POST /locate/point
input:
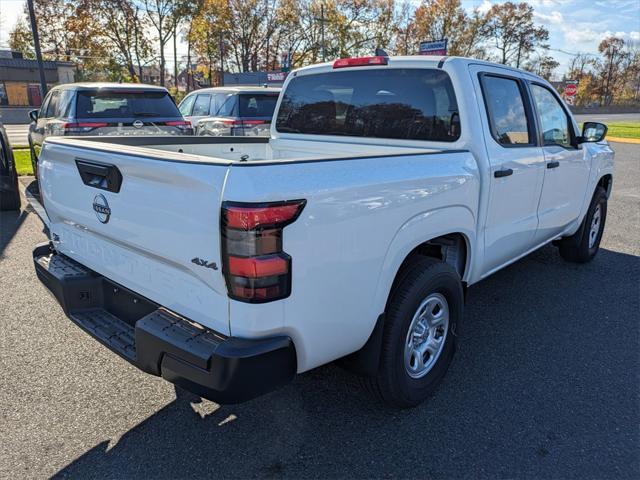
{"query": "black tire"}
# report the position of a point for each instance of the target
(393, 383)
(9, 192)
(10, 199)
(576, 248)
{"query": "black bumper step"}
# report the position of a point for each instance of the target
(159, 342)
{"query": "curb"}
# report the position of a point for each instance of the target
(623, 140)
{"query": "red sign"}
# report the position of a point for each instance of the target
(571, 89)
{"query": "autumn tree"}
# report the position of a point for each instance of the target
(160, 14)
(542, 65)
(439, 19)
(67, 33)
(207, 27)
(513, 32)
(121, 24)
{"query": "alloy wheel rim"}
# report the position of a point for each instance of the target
(426, 336)
(595, 226)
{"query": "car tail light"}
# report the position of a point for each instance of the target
(255, 267)
(82, 127)
(360, 62)
(178, 123)
(242, 123)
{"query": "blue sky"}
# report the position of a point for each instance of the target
(578, 26)
(575, 26)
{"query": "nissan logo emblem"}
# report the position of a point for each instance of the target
(138, 123)
(101, 207)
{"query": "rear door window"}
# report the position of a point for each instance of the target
(52, 107)
(408, 104)
(201, 106)
(186, 105)
(506, 110)
(228, 107)
(125, 104)
(257, 105)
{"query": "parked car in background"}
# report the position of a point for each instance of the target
(104, 109)
(9, 194)
(238, 111)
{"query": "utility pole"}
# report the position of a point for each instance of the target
(322, 30)
(322, 21)
(221, 60)
(36, 41)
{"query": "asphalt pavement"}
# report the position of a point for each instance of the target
(546, 385)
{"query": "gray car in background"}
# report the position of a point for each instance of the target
(104, 109)
(236, 111)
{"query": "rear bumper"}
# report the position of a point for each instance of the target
(159, 342)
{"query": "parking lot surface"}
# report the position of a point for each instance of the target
(545, 385)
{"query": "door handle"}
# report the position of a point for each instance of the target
(97, 175)
(503, 173)
(554, 164)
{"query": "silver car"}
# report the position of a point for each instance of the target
(236, 111)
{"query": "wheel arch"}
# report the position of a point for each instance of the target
(606, 182)
(451, 238)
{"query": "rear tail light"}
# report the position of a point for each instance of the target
(82, 127)
(255, 267)
(242, 123)
(360, 62)
(178, 123)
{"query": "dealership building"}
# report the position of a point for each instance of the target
(20, 79)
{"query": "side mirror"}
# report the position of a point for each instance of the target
(33, 115)
(593, 132)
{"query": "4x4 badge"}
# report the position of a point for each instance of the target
(203, 263)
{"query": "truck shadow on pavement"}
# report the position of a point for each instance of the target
(544, 385)
(10, 223)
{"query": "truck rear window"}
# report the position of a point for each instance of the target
(408, 104)
(115, 104)
(257, 104)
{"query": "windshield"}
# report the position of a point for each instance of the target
(411, 104)
(257, 104)
(126, 104)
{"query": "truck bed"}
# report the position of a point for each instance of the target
(238, 149)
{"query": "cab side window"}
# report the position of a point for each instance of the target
(506, 111)
(553, 119)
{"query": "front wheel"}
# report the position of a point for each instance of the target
(583, 246)
(420, 330)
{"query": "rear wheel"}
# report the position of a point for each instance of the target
(583, 246)
(419, 337)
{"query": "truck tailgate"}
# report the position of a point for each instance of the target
(158, 234)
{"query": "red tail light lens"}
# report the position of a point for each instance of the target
(360, 62)
(82, 127)
(255, 267)
(178, 123)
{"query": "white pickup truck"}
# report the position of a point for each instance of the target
(387, 187)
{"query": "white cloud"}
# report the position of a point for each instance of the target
(553, 17)
(485, 6)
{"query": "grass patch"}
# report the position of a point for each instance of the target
(624, 129)
(23, 161)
